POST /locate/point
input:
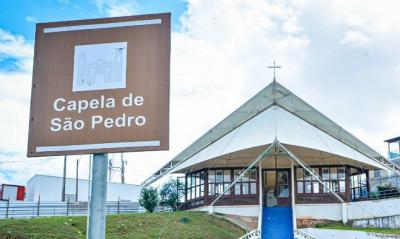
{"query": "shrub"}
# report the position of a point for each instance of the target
(148, 198)
(169, 194)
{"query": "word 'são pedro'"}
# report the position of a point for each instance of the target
(96, 120)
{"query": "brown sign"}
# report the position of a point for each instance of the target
(101, 85)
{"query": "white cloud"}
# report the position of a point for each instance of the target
(14, 45)
(354, 38)
(219, 59)
(31, 19)
(114, 8)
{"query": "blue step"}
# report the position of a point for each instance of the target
(277, 223)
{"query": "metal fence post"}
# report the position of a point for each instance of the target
(68, 207)
(38, 207)
(118, 206)
(8, 207)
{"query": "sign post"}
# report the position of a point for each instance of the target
(98, 198)
(100, 86)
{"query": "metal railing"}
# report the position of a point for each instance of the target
(379, 181)
(255, 234)
(303, 235)
(17, 209)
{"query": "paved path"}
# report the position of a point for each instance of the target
(342, 234)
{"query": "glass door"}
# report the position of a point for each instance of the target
(277, 188)
(270, 199)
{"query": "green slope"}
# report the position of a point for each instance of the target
(144, 225)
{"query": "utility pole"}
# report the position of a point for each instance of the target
(64, 179)
(110, 168)
(77, 180)
(123, 163)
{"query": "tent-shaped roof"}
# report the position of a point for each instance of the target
(274, 112)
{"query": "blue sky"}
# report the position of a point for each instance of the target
(341, 56)
(20, 16)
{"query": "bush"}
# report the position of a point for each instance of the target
(388, 190)
(149, 198)
(169, 194)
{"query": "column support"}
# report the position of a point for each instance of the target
(292, 168)
(260, 191)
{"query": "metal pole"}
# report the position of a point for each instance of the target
(64, 179)
(8, 207)
(38, 207)
(76, 183)
(68, 207)
(118, 206)
(88, 199)
(122, 169)
(98, 197)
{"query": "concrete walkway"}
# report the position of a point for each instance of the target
(336, 234)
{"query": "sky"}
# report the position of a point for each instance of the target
(340, 56)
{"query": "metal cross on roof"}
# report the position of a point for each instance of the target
(274, 67)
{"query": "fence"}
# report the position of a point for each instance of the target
(391, 180)
(15, 209)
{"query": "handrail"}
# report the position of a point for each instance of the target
(255, 234)
(260, 217)
(304, 235)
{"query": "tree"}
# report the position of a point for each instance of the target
(169, 194)
(149, 198)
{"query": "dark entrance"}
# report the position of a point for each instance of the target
(276, 190)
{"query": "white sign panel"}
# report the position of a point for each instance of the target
(100, 66)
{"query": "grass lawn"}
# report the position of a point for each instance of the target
(142, 225)
(377, 230)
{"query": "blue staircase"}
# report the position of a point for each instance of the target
(277, 223)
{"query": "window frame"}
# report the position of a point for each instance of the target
(249, 180)
(195, 185)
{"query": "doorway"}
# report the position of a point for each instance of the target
(276, 187)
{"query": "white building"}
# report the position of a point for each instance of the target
(49, 189)
(277, 158)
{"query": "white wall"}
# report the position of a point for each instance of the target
(49, 188)
(355, 210)
(240, 210)
(375, 208)
(319, 211)
(331, 211)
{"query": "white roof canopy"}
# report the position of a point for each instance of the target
(275, 112)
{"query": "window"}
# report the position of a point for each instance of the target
(358, 184)
(283, 183)
(247, 184)
(305, 182)
(195, 185)
(218, 181)
(377, 173)
(335, 178)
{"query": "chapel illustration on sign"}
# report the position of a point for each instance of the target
(100, 66)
